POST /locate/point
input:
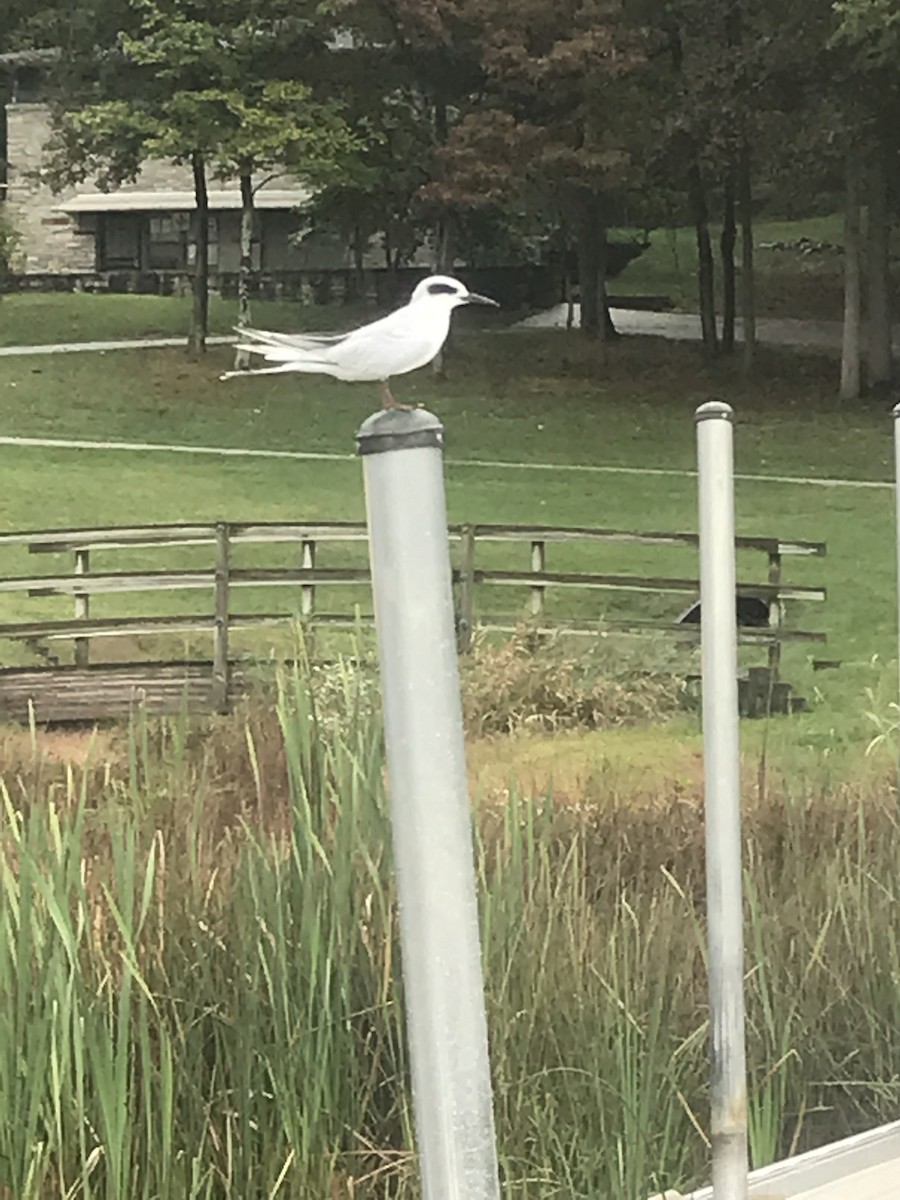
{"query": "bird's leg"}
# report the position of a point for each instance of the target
(387, 397)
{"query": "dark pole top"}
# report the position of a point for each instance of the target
(714, 410)
(399, 429)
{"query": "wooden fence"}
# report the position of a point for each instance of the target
(222, 579)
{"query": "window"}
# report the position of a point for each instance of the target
(169, 246)
(166, 246)
(120, 242)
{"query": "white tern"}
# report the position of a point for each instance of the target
(409, 338)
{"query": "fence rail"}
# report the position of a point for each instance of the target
(82, 582)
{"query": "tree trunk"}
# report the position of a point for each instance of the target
(359, 263)
(245, 269)
(200, 279)
(569, 290)
(608, 329)
(878, 265)
(443, 264)
(726, 246)
(590, 268)
(388, 247)
(748, 276)
(705, 265)
(850, 349)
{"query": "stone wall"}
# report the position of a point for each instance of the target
(51, 241)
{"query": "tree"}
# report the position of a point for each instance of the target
(381, 193)
(278, 128)
(219, 94)
(550, 128)
(868, 35)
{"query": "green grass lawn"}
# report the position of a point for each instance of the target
(544, 398)
(788, 283)
(40, 318)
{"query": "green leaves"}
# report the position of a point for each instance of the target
(195, 78)
(871, 28)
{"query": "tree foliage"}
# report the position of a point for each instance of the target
(220, 89)
(483, 124)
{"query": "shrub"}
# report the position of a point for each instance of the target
(544, 682)
(10, 240)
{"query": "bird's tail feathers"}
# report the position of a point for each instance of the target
(263, 338)
(257, 370)
(281, 354)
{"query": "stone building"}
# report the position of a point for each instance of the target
(140, 227)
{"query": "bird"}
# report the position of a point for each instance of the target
(406, 339)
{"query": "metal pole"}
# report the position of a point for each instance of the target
(431, 823)
(728, 1072)
(897, 503)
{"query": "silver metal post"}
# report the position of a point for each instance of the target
(728, 1071)
(431, 823)
(897, 503)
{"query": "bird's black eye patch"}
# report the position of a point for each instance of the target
(442, 289)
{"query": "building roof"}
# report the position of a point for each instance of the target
(179, 201)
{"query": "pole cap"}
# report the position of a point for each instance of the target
(714, 410)
(399, 429)
(896, 410)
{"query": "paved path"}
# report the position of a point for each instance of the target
(102, 347)
(821, 336)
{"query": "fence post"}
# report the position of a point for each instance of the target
(307, 590)
(466, 589)
(430, 818)
(220, 643)
(82, 608)
(776, 620)
(538, 551)
(724, 896)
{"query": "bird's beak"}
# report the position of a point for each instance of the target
(474, 298)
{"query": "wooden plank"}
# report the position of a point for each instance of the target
(82, 608)
(52, 541)
(101, 692)
(163, 581)
(278, 576)
(307, 590)
(125, 626)
(466, 578)
(109, 581)
(538, 565)
(289, 531)
(641, 583)
(55, 540)
(747, 635)
(571, 533)
(220, 636)
(121, 626)
(137, 581)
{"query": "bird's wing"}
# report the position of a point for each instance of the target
(400, 342)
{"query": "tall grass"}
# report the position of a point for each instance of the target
(199, 970)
